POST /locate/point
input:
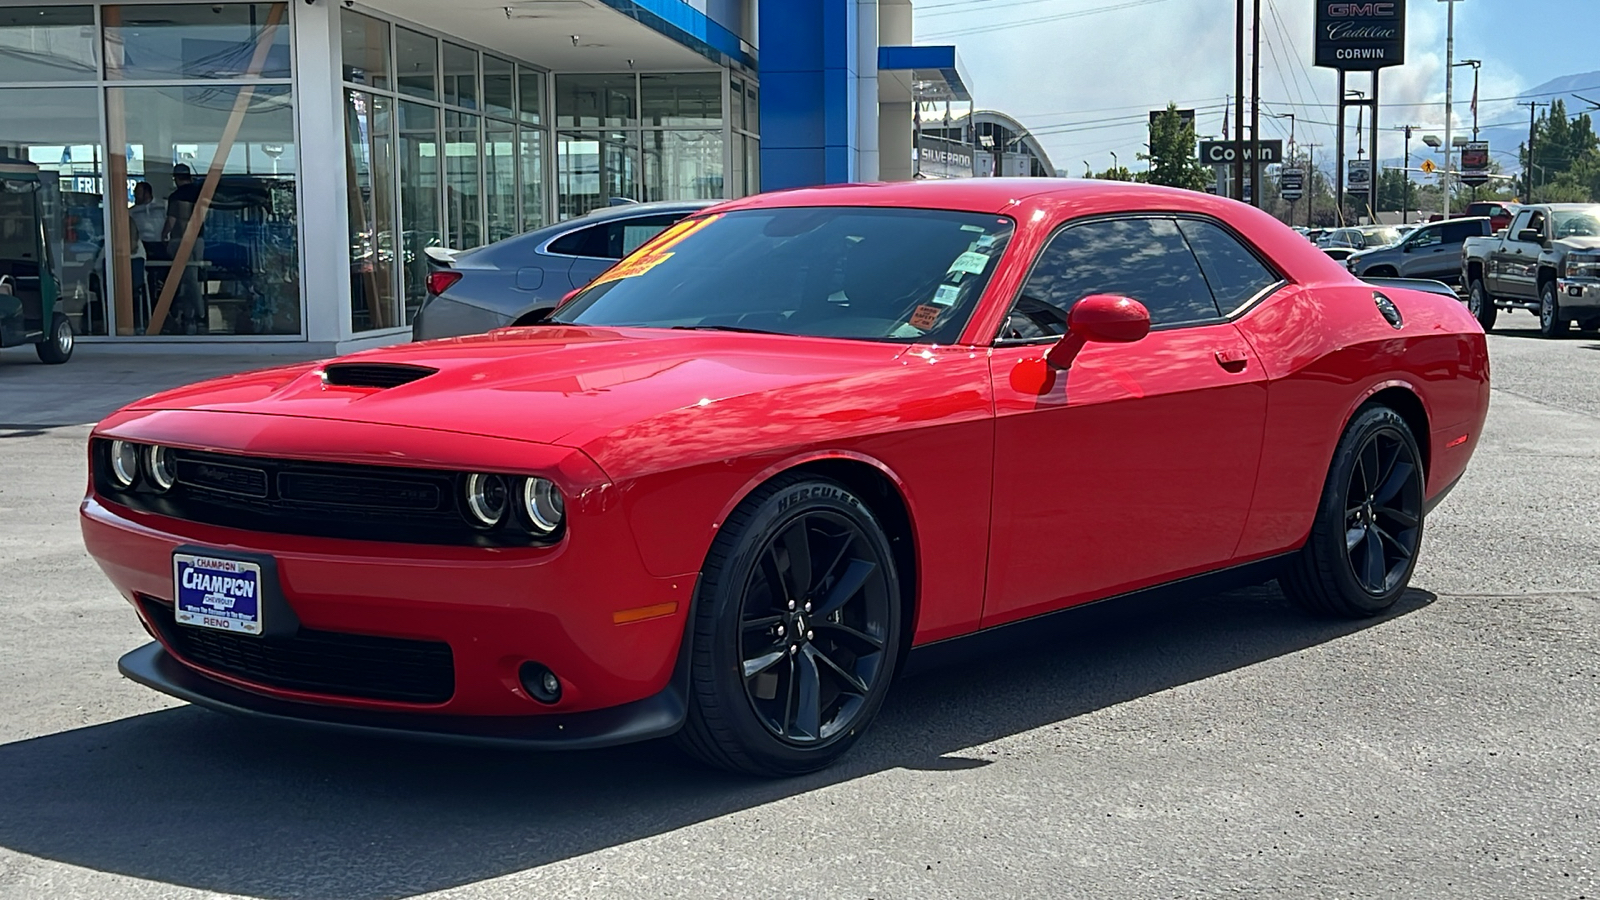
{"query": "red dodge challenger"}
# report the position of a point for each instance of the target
(729, 489)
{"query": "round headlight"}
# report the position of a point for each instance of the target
(542, 502)
(161, 467)
(124, 463)
(486, 499)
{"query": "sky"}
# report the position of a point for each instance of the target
(1082, 74)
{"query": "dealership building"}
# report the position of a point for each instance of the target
(256, 174)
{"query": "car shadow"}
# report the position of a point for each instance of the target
(188, 797)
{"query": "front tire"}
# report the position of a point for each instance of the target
(796, 631)
(1552, 322)
(1364, 541)
(1481, 305)
(58, 345)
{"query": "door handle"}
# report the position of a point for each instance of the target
(1233, 360)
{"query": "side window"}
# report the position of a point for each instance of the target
(1426, 237)
(1536, 221)
(1519, 223)
(1235, 274)
(1460, 231)
(1143, 258)
(628, 235)
(592, 241)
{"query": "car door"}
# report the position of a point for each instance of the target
(1421, 252)
(1517, 261)
(1137, 464)
(1443, 263)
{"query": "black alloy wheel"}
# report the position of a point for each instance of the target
(1383, 512)
(796, 631)
(1552, 322)
(1368, 528)
(1481, 305)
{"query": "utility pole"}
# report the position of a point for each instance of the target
(1405, 204)
(1311, 183)
(1527, 174)
(1449, 96)
(1238, 94)
(1255, 106)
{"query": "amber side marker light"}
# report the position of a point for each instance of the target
(639, 614)
(1457, 442)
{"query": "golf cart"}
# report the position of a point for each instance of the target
(29, 285)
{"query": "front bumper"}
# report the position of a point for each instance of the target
(655, 716)
(496, 608)
(1576, 294)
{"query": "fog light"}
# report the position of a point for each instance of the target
(161, 467)
(486, 499)
(124, 463)
(540, 683)
(543, 505)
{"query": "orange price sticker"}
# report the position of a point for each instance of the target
(924, 317)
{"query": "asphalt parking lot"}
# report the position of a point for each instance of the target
(1213, 746)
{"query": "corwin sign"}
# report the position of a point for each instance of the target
(1361, 35)
(1222, 153)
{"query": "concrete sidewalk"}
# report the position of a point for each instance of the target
(100, 379)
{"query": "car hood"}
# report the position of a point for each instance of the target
(1579, 243)
(561, 385)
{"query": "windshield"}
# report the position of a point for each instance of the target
(850, 272)
(1583, 222)
(1381, 237)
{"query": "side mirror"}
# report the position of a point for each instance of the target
(1099, 319)
(1530, 236)
(1405, 248)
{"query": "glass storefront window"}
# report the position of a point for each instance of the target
(500, 179)
(682, 165)
(499, 87)
(47, 43)
(463, 195)
(57, 132)
(226, 259)
(416, 62)
(594, 167)
(217, 40)
(364, 42)
(736, 165)
(752, 109)
(590, 101)
(532, 160)
(688, 99)
(752, 165)
(736, 101)
(530, 95)
(420, 182)
(460, 76)
(369, 167)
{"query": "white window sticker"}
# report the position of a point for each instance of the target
(971, 262)
(946, 295)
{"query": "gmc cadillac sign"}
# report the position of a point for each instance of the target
(1361, 35)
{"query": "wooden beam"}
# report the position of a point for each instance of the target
(191, 232)
(121, 257)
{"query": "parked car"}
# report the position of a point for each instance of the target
(1432, 251)
(800, 440)
(1547, 261)
(1340, 243)
(30, 284)
(516, 280)
(1500, 212)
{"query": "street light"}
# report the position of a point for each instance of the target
(1449, 94)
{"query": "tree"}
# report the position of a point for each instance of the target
(1566, 159)
(1115, 173)
(1173, 158)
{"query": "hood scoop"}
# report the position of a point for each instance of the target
(373, 375)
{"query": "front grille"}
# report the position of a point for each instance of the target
(374, 375)
(317, 662)
(334, 500)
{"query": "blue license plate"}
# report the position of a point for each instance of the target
(217, 592)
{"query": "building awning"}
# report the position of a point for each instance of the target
(935, 69)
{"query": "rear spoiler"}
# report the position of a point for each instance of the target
(441, 256)
(1425, 285)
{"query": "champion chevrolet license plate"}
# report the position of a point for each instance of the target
(215, 592)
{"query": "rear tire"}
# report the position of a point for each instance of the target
(58, 344)
(1364, 541)
(1481, 305)
(1552, 321)
(796, 631)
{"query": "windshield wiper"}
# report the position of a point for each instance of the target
(735, 328)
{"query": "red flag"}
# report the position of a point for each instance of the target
(1474, 100)
(1225, 110)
